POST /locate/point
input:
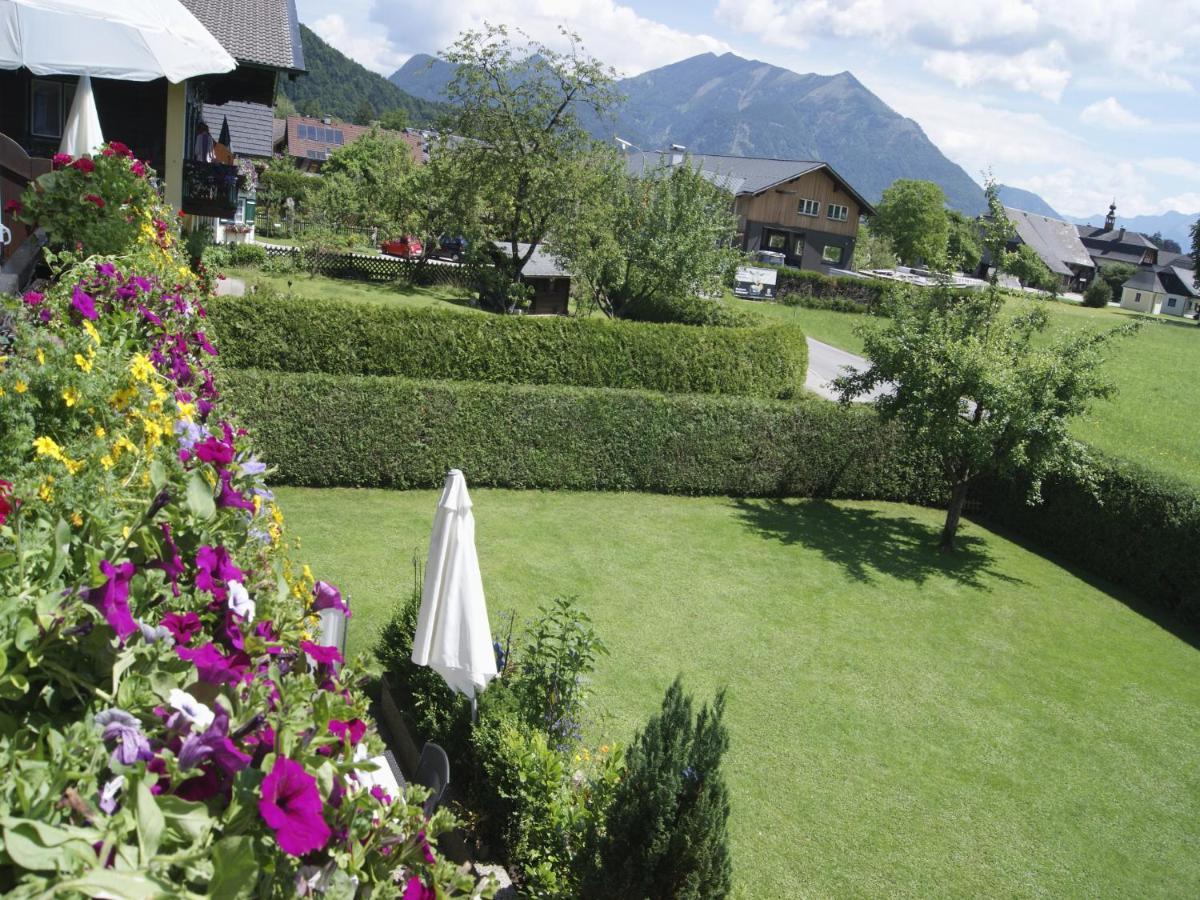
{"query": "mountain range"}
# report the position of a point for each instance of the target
(727, 104)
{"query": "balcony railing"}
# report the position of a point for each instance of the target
(209, 189)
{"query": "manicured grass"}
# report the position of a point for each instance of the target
(1151, 420)
(323, 288)
(903, 723)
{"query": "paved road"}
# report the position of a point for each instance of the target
(826, 363)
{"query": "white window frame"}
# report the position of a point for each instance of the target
(841, 253)
(809, 207)
(834, 209)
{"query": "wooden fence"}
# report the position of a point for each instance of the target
(362, 267)
(17, 169)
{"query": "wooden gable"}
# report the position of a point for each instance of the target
(781, 204)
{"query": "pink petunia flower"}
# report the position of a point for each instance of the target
(213, 666)
(321, 655)
(182, 626)
(7, 504)
(60, 159)
(415, 890)
(138, 168)
(326, 596)
(291, 805)
(112, 598)
(84, 304)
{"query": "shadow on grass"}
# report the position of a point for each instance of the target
(866, 542)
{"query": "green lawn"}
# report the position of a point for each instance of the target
(321, 288)
(903, 723)
(1152, 418)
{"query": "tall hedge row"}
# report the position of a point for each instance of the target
(1138, 530)
(801, 287)
(303, 335)
(339, 430)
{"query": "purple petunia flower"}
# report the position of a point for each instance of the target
(107, 269)
(108, 796)
(126, 730)
(252, 466)
(291, 805)
(326, 596)
(84, 304)
(214, 569)
(230, 497)
(112, 598)
(214, 744)
(414, 889)
(155, 633)
(321, 655)
(215, 667)
(215, 451)
(182, 625)
(203, 343)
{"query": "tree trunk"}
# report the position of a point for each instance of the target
(958, 497)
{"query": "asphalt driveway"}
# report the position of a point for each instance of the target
(826, 363)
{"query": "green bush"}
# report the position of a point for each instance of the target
(1098, 294)
(247, 255)
(800, 287)
(665, 836)
(326, 430)
(1137, 530)
(306, 335)
(686, 311)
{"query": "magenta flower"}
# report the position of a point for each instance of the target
(172, 565)
(83, 164)
(182, 625)
(83, 304)
(230, 497)
(203, 343)
(215, 667)
(139, 168)
(214, 569)
(112, 598)
(95, 199)
(14, 207)
(426, 850)
(291, 805)
(60, 159)
(214, 744)
(216, 451)
(415, 890)
(355, 728)
(34, 298)
(321, 655)
(326, 596)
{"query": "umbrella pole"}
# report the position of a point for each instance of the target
(474, 710)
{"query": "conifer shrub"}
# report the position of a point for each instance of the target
(1098, 294)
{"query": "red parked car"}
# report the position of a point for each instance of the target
(406, 247)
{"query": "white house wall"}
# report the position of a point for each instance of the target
(1142, 301)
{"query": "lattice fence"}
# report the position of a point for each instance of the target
(362, 267)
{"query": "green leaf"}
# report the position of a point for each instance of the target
(151, 823)
(200, 496)
(26, 633)
(188, 822)
(62, 548)
(158, 475)
(14, 687)
(39, 847)
(7, 559)
(234, 870)
(118, 885)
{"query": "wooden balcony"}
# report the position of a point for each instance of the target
(209, 189)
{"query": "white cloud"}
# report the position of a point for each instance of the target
(1036, 71)
(614, 33)
(375, 52)
(1095, 36)
(1174, 166)
(1187, 203)
(1109, 113)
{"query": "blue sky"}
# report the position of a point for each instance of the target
(1078, 100)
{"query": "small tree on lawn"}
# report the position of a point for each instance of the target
(1029, 269)
(872, 250)
(522, 109)
(667, 234)
(973, 388)
(1098, 293)
(665, 835)
(1114, 275)
(912, 215)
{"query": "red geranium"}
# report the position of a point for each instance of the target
(14, 207)
(93, 198)
(7, 504)
(83, 164)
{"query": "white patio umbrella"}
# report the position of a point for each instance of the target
(82, 132)
(131, 40)
(453, 635)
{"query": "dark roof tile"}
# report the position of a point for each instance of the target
(258, 32)
(250, 126)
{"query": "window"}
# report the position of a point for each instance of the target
(46, 108)
(809, 208)
(776, 240)
(798, 247)
(1138, 297)
(832, 253)
(1170, 302)
(338, 136)
(838, 213)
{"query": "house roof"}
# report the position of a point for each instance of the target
(1056, 242)
(1116, 236)
(1119, 245)
(1177, 260)
(541, 265)
(1165, 280)
(742, 174)
(250, 126)
(336, 134)
(254, 32)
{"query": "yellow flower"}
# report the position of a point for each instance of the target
(84, 364)
(1, 392)
(46, 491)
(70, 396)
(276, 515)
(187, 411)
(41, 357)
(100, 432)
(122, 398)
(308, 575)
(3, 360)
(47, 446)
(107, 461)
(91, 331)
(604, 748)
(20, 387)
(76, 520)
(141, 367)
(126, 531)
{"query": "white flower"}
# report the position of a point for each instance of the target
(191, 709)
(108, 796)
(239, 601)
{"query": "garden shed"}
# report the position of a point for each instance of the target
(551, 283)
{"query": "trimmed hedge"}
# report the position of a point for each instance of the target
(304, 335)
(354, 431)
(687, 311)
(800, 287)
(1138, 531)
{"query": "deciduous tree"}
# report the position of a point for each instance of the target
(974, 388)
(872, 250)
(912, 215)
(521, 107)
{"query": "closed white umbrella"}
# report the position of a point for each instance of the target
(453, 635)
(131, 40)
(82, 132)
